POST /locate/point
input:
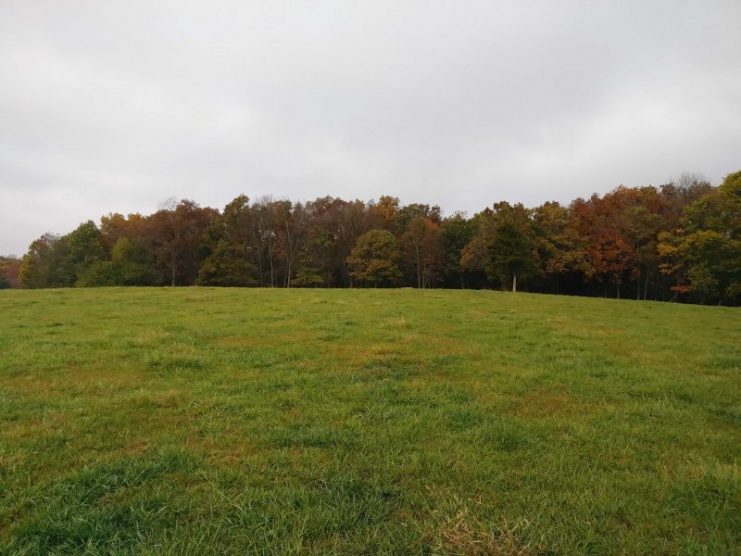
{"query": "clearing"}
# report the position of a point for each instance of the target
(197, 421)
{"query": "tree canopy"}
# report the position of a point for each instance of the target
(679, 241)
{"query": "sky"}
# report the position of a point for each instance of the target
(117, 106)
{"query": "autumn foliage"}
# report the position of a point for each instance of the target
(680, 241)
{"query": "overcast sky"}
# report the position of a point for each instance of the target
(112, 106)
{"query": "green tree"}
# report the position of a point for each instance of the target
(47, 264)
(85, 250)
(704, 253)
(556, 250)
(227, 265)
(457, 231)
(133, 262)
(99, 273)
(506, 245)
(229, 247)
(375, 259)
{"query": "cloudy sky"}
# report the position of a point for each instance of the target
(117, 106)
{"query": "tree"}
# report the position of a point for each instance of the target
(703, 254)
(133, 262)
(408, 229)
(557, 251)
(46, 264)
(513, 249)
(374, 259)
(385, 213)
(115, 226)
(505, 245)
(605, 251)
(9, 272)
(456, 232)
(423, 249)
(287, 233)
(332, 229)
(229, 247)
(85, 250)
(176, 234)
(681, 239)
(227, 265)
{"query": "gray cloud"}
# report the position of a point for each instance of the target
(116, 106)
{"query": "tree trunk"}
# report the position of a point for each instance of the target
(272, 270)
(173, 265)
(645, 288)
(514, 283)
(419, 275)
(259, 263)
(289, 258)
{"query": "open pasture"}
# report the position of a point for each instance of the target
(235, 421)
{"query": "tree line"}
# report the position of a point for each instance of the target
(680, 241)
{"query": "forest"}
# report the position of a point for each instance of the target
(676, 242)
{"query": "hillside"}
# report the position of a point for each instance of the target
(196, 420)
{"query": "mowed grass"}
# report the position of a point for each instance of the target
(236, 421)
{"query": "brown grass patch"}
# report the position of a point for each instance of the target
(547, 404)
(466, 535)
(25, 429)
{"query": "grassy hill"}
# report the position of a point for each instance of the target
(366, 421)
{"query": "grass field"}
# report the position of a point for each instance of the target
(198, 421)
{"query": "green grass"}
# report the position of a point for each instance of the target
(199, 421)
